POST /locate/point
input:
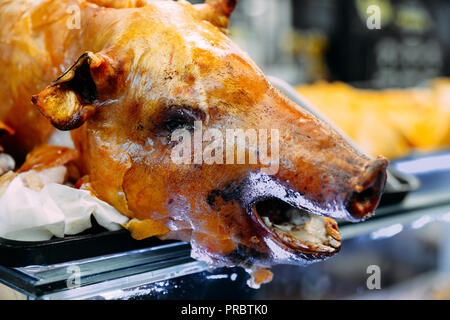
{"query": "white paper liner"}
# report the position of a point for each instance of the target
(47, 208)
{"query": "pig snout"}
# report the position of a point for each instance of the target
(362, 202)
(334, 178)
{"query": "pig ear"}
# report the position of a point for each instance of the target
(72, 98)
(217, 12)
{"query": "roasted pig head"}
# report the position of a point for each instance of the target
(163, 80)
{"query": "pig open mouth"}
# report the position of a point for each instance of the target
(298, 229)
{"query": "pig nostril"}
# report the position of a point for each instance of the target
(362, 204)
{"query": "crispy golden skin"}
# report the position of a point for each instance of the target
(133, 72)
(46, 156)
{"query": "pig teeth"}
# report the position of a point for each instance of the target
(333, 232)
(334, 243)
(318, 247)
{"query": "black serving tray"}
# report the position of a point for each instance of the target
(398, 186)
(94, 242)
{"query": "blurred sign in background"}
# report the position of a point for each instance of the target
(303, 41)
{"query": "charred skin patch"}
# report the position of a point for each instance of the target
(230, 192)
(247, 257)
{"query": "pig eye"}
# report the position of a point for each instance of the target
(179, 120)
(176, 118)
